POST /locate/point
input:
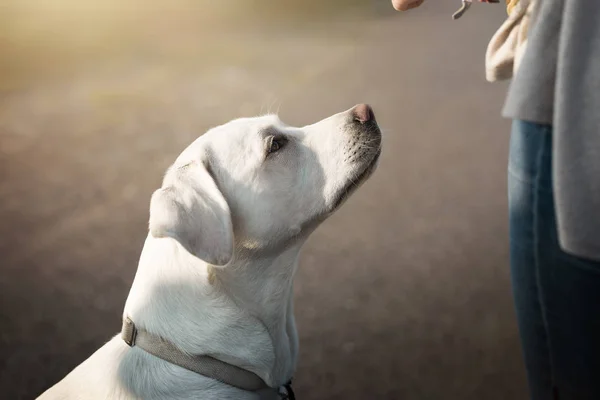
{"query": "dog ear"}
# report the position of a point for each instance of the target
(191, 209)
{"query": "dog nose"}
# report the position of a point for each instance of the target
(363, 113)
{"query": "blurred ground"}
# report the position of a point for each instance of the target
(404, 294)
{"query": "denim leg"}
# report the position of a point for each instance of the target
(527, 145)
(557, 296)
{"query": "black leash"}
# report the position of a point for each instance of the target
(289, 392)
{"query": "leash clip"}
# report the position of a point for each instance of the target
(286, 392)
(466, 4)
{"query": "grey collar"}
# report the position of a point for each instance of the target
(200, 364)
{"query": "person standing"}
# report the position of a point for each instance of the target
(554, 195)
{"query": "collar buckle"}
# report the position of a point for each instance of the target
(129, 332)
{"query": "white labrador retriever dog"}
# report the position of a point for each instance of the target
(216, 271)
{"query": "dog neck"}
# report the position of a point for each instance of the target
(262, 285)
(241, 313)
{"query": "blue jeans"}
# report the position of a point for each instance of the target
(556, 295)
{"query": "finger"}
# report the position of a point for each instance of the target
(404, 5)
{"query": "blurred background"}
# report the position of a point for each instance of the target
(403, 294)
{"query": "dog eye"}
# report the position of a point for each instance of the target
(275, 143)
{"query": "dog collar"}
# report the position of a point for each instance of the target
(201, 364)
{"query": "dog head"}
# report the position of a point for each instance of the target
(257, 183)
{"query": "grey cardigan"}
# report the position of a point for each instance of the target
(558, 83)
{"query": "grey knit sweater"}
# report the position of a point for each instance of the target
(558, 83)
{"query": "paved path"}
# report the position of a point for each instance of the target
(404, 294)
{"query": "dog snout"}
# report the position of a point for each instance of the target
(362, 113)
(363, 139)
(362, 124)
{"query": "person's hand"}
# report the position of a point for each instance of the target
(403, 5)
